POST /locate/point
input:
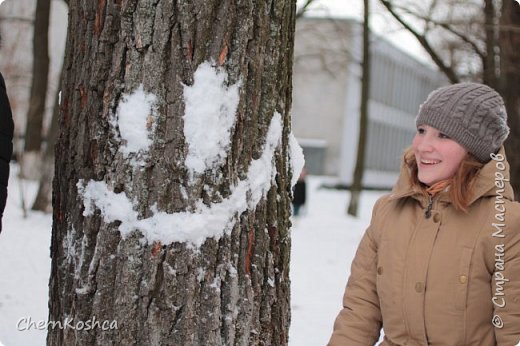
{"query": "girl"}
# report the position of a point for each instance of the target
(440, 262)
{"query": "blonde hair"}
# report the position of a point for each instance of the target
(461, 183)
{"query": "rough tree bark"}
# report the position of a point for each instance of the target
(231, 291)
(510, 84)
(40, 72)
(357, 179)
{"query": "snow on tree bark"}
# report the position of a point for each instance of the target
(233, 290)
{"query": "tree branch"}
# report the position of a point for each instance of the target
(447, 70)
(17, 19)
(448, 28)
(303, 9)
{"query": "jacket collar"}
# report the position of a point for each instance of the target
(487, 183)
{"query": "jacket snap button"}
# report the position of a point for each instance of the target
(380, 270)
(419, 287)
(463, 279)
(436, 218)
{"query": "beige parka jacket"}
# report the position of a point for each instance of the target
(450, 279)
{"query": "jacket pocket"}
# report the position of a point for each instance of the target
(385, 284)
(461, 291)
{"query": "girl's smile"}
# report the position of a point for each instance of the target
(437, 155)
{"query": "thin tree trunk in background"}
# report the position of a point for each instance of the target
(231, 291)
(43, 200)
(357, 180)
(33, 131)
(510, 84)
(490, 62)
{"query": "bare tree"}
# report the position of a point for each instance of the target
(33, 131)
(422, 38)
(357, 179)
(43, 200)
(229, 289)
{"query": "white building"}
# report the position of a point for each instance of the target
(326, 100)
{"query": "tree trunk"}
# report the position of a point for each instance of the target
(357, 180)
(40, 72)
(228, 289)
(510, 84)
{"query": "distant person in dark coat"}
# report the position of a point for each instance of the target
(6, 144)
(299, 193)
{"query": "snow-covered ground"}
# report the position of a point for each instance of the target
(24, 266)
(324, 241)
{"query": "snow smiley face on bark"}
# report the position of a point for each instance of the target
(209, 118)
(134, 123)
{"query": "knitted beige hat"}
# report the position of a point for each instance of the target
(472, 114)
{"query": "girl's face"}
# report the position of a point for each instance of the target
(438, 156)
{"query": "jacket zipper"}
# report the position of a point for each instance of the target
(428, 210)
